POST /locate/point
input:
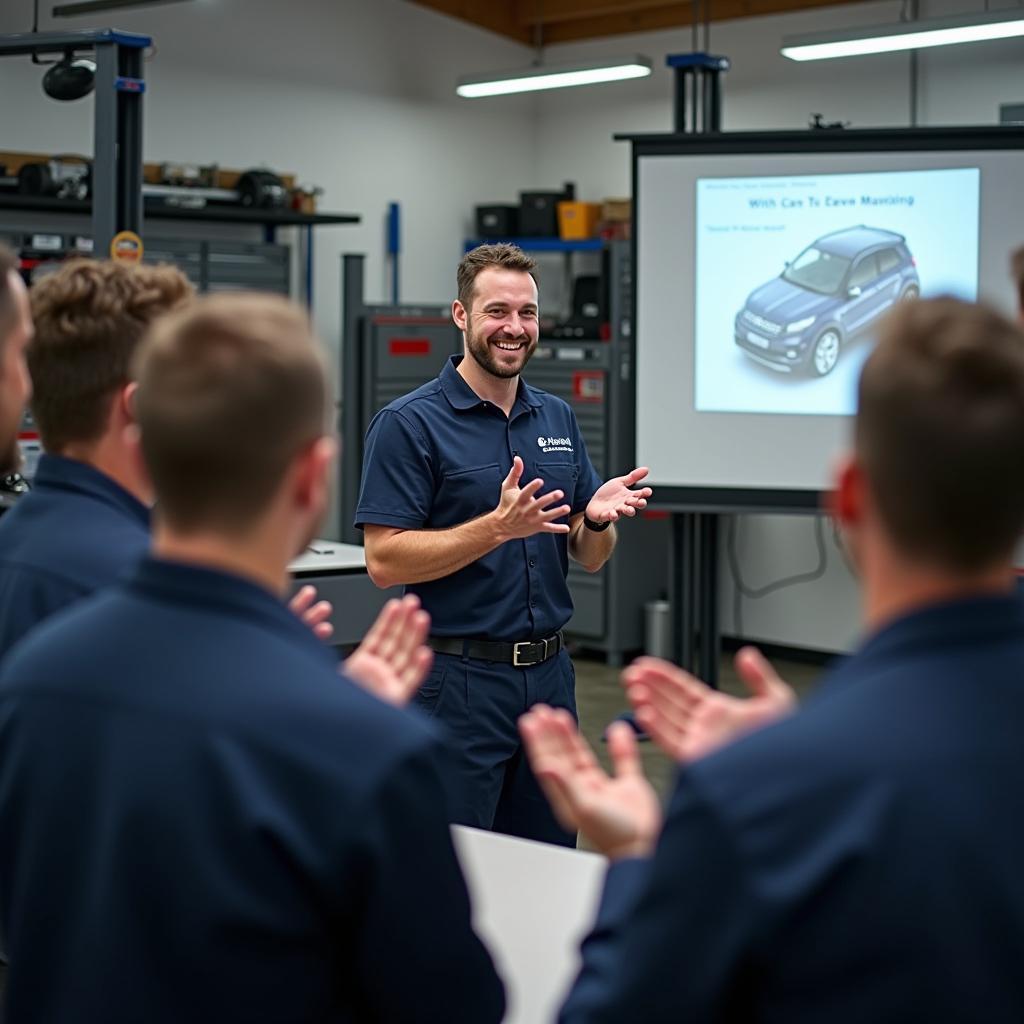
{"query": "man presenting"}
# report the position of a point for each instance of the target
(860, 860)
(476, 489)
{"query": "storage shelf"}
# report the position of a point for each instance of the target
(159, 211)
(543, 244)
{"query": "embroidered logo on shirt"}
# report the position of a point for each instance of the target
(555, 444)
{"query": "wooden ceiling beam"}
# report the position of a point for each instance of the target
(546, 12)
(496, 17)
(568, 21)
(678, 16)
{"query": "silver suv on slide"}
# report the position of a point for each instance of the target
(837, 287)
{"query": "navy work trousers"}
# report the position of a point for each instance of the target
(478, 704)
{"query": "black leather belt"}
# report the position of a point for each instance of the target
(522, 654)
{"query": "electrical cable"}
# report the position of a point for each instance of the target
(742, 590)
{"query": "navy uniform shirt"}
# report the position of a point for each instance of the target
(203, 821)
(76, 531)
(860, 861)
(437, 458)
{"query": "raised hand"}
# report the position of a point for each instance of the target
(619, 814)
(617, 498)
(312, 612)
(393, 660)
(688, 720)
(520, 513)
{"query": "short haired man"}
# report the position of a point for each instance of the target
(444, 511)
(202, 821)
(15, 332)
(87, 518)
(859, 860)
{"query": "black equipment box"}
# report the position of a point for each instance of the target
(538, 212)
(497, 221)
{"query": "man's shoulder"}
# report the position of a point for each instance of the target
(425, 395)
(206, 673)
(72, 535)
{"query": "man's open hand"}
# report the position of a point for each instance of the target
(619, 814)
(616, 498)
(393, 659)
(520, 513)
(312, 612)
(687, 719)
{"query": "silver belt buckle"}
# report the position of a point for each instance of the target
(516, 663)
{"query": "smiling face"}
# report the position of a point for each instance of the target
(500, 324)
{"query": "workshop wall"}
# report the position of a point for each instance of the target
(355, 96)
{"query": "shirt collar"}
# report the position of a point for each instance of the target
(63, 474)
(950, 624)
(199, 586)
(461, 396)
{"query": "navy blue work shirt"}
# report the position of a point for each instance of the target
(204, 821)
(860, 861)
(437, 458)
(75, 532)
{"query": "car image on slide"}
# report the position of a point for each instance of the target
(836, 288)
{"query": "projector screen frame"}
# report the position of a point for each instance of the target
(881, 140)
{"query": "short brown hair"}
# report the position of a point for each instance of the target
(1017, 271)
(940, 431)
(501, 254)
(230, 391)
(8, 311)
(90, 316)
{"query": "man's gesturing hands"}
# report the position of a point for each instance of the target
(520, 513)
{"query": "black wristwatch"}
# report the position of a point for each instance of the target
(596, 527)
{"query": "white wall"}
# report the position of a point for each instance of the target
(354, 95)
(763, 90)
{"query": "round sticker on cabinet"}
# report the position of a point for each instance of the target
(126, 247)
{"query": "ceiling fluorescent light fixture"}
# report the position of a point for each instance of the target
(92, 6)
(907, 35)
(552, 76)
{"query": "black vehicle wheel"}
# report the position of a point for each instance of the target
(825, 353)
(911, 292)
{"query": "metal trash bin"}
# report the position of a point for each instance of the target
(658, 629)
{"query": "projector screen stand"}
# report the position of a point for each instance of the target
(693, 561)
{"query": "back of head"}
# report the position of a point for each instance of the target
(90, 317)
(231, 389)
(940, 433)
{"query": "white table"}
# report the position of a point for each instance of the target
(532, 905)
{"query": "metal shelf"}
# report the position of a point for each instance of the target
(159, 211)
(543, 244)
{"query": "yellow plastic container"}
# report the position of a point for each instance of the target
(578, 220)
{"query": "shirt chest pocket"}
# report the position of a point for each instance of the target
(466, 492)
(558, 474)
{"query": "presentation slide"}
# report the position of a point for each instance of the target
(761, 279)
(816, 260)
